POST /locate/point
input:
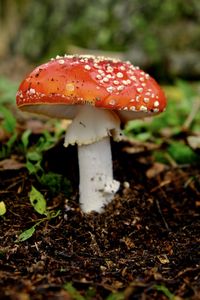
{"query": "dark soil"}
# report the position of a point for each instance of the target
(146, 240)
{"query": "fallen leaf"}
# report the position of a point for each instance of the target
(163, 259)
(156, 169)
(194, 142)
(38, 126)
(133, 146)
(2, 208)
(11, 164)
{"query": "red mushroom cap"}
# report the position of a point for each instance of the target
(98, 81)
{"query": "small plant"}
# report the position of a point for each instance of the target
(2, 208)
(8, 124)
(56, 183)
(163, 289)
(7, 90)
(7, 96)
(116, 296)
(76, 295)
(38, 202)
(90, 293)
(34, 153)
(9, 121)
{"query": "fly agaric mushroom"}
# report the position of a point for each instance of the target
(96, 93)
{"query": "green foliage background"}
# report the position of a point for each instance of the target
(105, 24)
(149, 32)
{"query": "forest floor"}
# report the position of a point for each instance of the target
(146, 245)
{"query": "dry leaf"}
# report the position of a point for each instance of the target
(163, 259)
(156, 169)
(10, 164)
(134, 146)
(194, 142)
(197, 203)
(3, 135)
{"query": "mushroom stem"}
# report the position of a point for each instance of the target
(91, 130)
(97, 186)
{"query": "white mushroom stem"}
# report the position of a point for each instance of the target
(91, 130)
(97, 186)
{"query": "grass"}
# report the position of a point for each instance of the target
(171, 129)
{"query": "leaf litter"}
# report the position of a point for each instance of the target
(148, 236)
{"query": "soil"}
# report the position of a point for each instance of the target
(145, 244)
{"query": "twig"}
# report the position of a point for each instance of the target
(193, 112)
(187, 270)
(161, 214)
(163, 183)
(14, 184)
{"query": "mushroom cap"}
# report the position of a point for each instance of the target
(58, 86)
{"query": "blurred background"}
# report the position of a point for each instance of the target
(161, 36)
